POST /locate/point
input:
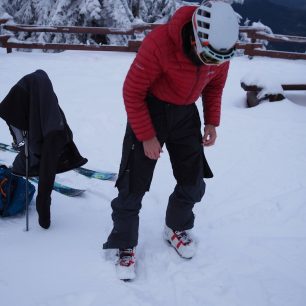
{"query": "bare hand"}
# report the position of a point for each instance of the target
(152, 148)
(210, 135)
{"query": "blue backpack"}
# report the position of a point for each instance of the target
(12, 193)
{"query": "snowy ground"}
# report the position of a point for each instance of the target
(250, 227)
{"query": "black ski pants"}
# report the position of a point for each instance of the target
(179, 128)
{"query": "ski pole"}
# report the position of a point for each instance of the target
(26, 150)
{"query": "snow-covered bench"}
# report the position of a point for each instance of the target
(266, 82)
(256, 93)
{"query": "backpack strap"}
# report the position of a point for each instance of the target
(2, 182)
(7, 179)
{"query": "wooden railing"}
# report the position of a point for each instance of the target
(256, 34)
(4, 20)
(253, 48)
(7, 42)
(132, 46)
(4, 38)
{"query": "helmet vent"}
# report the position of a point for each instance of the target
(204, 13)
(204, 25)
(207, 3)
(203, 35)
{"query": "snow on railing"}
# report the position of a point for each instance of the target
(261, 34)
(254, 43)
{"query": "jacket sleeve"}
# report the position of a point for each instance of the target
(144, 70)
(51, 150)
(212, 95)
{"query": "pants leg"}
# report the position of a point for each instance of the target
(179, 214)
(125, 216)
(135, 175)
(189, 167)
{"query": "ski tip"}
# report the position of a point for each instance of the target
(113, 178)
(71, 192)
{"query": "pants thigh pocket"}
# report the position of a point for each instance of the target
(135, 165)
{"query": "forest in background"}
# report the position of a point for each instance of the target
(102, 13)
(126, 13)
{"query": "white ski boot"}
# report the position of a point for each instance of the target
(125, 265)
(181, 242)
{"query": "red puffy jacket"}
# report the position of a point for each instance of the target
(162, 68)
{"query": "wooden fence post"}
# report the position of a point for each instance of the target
(4, 43)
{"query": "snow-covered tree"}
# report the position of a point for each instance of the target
(116, 14)
(2, 10)
(91, 10)
(122, 14)
(262, 28)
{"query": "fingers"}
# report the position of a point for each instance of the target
(152, 148)
(208, 142)
(209, 137)
(155, 154)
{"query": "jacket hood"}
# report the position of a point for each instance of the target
(175, 26)
(33, 91)
(14, 108)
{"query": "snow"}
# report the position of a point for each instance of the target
(270, 84)
(250, 225)
(5, 16)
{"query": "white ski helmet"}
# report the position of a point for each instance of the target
(216, 30)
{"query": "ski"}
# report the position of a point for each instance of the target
(63, 189)
(99, 175)
(5, 147)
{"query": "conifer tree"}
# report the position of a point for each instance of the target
(108, 13)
